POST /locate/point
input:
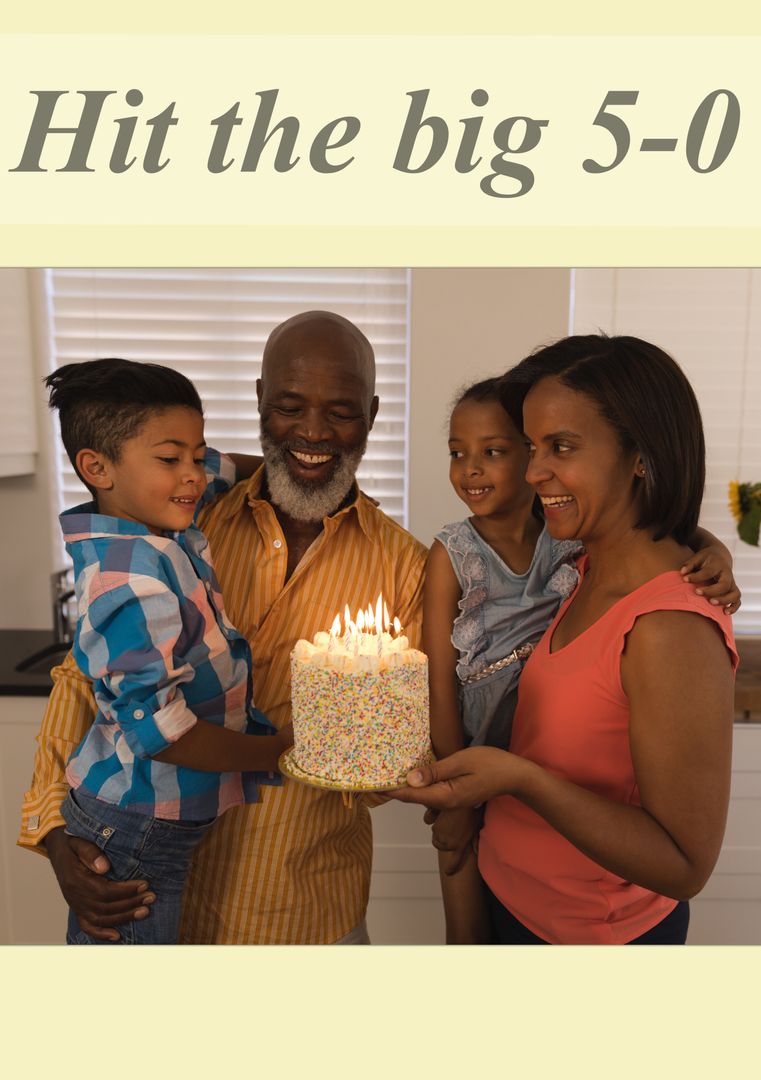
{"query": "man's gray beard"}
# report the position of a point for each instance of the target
(306, 500)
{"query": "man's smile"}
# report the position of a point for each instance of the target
(311, 459)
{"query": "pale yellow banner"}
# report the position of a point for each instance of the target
(435, 135)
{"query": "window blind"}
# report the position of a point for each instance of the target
(211, 324)
(709, 320)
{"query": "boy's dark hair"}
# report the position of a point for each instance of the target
(646, 398)
(102, 403)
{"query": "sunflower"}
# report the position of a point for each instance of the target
(745, 504)
(734, 501)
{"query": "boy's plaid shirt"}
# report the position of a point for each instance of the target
(153, 636)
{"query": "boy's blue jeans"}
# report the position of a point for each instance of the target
(136, 847)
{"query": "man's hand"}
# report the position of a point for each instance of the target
(99, 904)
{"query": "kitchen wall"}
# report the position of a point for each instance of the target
(465, 324)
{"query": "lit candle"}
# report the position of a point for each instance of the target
(373, 642)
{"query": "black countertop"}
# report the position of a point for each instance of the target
(17, 646)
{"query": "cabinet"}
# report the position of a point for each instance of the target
(728, 910)
(32, 910)
(405, 900)
(18, 424)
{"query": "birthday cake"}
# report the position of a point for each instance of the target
(360, 705)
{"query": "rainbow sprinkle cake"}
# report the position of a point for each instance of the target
(360, 716)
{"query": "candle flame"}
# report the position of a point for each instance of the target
(367, 621)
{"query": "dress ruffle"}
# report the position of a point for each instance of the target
(468, 629)
(469, 633)
(565, 579)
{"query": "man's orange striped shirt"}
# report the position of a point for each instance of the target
(295, 867)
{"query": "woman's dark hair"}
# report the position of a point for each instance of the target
(646, 398)
(103, 403)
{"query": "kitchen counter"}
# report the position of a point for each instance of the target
(748, 684)
(18, 645)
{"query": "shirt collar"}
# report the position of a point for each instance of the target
(251, 489)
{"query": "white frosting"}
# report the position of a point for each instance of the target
(361, 653)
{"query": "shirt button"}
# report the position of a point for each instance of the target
(278, 544)
(138, 714)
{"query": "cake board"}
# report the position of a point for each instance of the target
(289, 767)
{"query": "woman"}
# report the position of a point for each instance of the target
(609, 811)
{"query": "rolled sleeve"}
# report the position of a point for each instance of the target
(148, 733)
(69, 713)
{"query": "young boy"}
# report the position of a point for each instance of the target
(171, 747)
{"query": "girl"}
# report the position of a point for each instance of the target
(494, 582)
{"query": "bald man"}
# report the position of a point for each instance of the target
(292, 546)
